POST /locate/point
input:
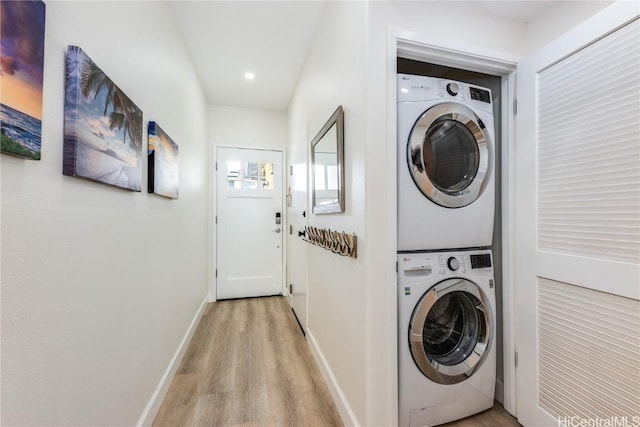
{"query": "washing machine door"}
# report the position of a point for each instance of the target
(448, 155)
(450, 331)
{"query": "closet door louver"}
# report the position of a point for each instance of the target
(577, 244)
(589, 352)
(588, 128)
(588, 206)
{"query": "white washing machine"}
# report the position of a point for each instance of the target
(446, 155)
(446, 336)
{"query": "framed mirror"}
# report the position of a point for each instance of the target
(327, 160)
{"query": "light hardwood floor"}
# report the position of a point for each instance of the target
(248, 364)
(494, 417)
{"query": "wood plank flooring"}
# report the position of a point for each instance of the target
(248, 364)
(494, 417)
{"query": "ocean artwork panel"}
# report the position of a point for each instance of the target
(163, 163)
(102, 126)
(21, 76)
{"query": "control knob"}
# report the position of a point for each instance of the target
(453, 89)
(453, 263)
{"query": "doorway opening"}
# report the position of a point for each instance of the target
(493, 82)
(412, 56)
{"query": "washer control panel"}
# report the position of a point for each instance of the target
(453, 88)
(413, 267)
(453, 263)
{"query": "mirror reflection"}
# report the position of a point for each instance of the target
(328, 167)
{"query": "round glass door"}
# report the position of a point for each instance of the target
(449, 155)
(450, 330)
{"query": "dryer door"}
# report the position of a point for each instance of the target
(448, 155)
(450, 332)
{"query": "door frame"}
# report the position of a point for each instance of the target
(416, 46)
(213, 197)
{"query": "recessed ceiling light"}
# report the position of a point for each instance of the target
(249, 75)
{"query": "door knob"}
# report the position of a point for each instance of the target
(277, 230)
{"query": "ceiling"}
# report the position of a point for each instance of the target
(226, 39)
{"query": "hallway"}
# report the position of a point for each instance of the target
(248, 364)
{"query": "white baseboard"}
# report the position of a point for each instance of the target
(499, 391)
(346, 413)
(150, 412)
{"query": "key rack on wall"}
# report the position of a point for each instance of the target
(337, 242)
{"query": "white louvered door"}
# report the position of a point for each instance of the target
(578, 226)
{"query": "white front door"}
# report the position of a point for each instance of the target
(578, 226)
(297, 213)
(250, 223)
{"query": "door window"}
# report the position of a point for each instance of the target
(448, 155)
(451, 155)
(450, 331)
(452, 328)
(250, 175)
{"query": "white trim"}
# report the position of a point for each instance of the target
(213, 229)
(508, 244)
(152, 408)
(284, 289)
(416, 46)
(340, 400)
(391, 241)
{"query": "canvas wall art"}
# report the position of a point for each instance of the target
(102, 126)
(163, 163)
(21, 75)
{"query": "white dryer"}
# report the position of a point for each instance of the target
(446, 155)
(446, 336)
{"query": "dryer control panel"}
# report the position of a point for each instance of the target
(423, 88)
(417, 266)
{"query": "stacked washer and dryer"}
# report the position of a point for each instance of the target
(446, 297)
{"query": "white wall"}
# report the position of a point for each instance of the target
(100, 284)
(559, 19)
(334, 75)
(247, 128)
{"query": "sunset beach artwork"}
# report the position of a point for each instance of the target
(102, 126)
(21, 74)
(163, 163)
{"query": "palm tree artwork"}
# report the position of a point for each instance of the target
(103, 127)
